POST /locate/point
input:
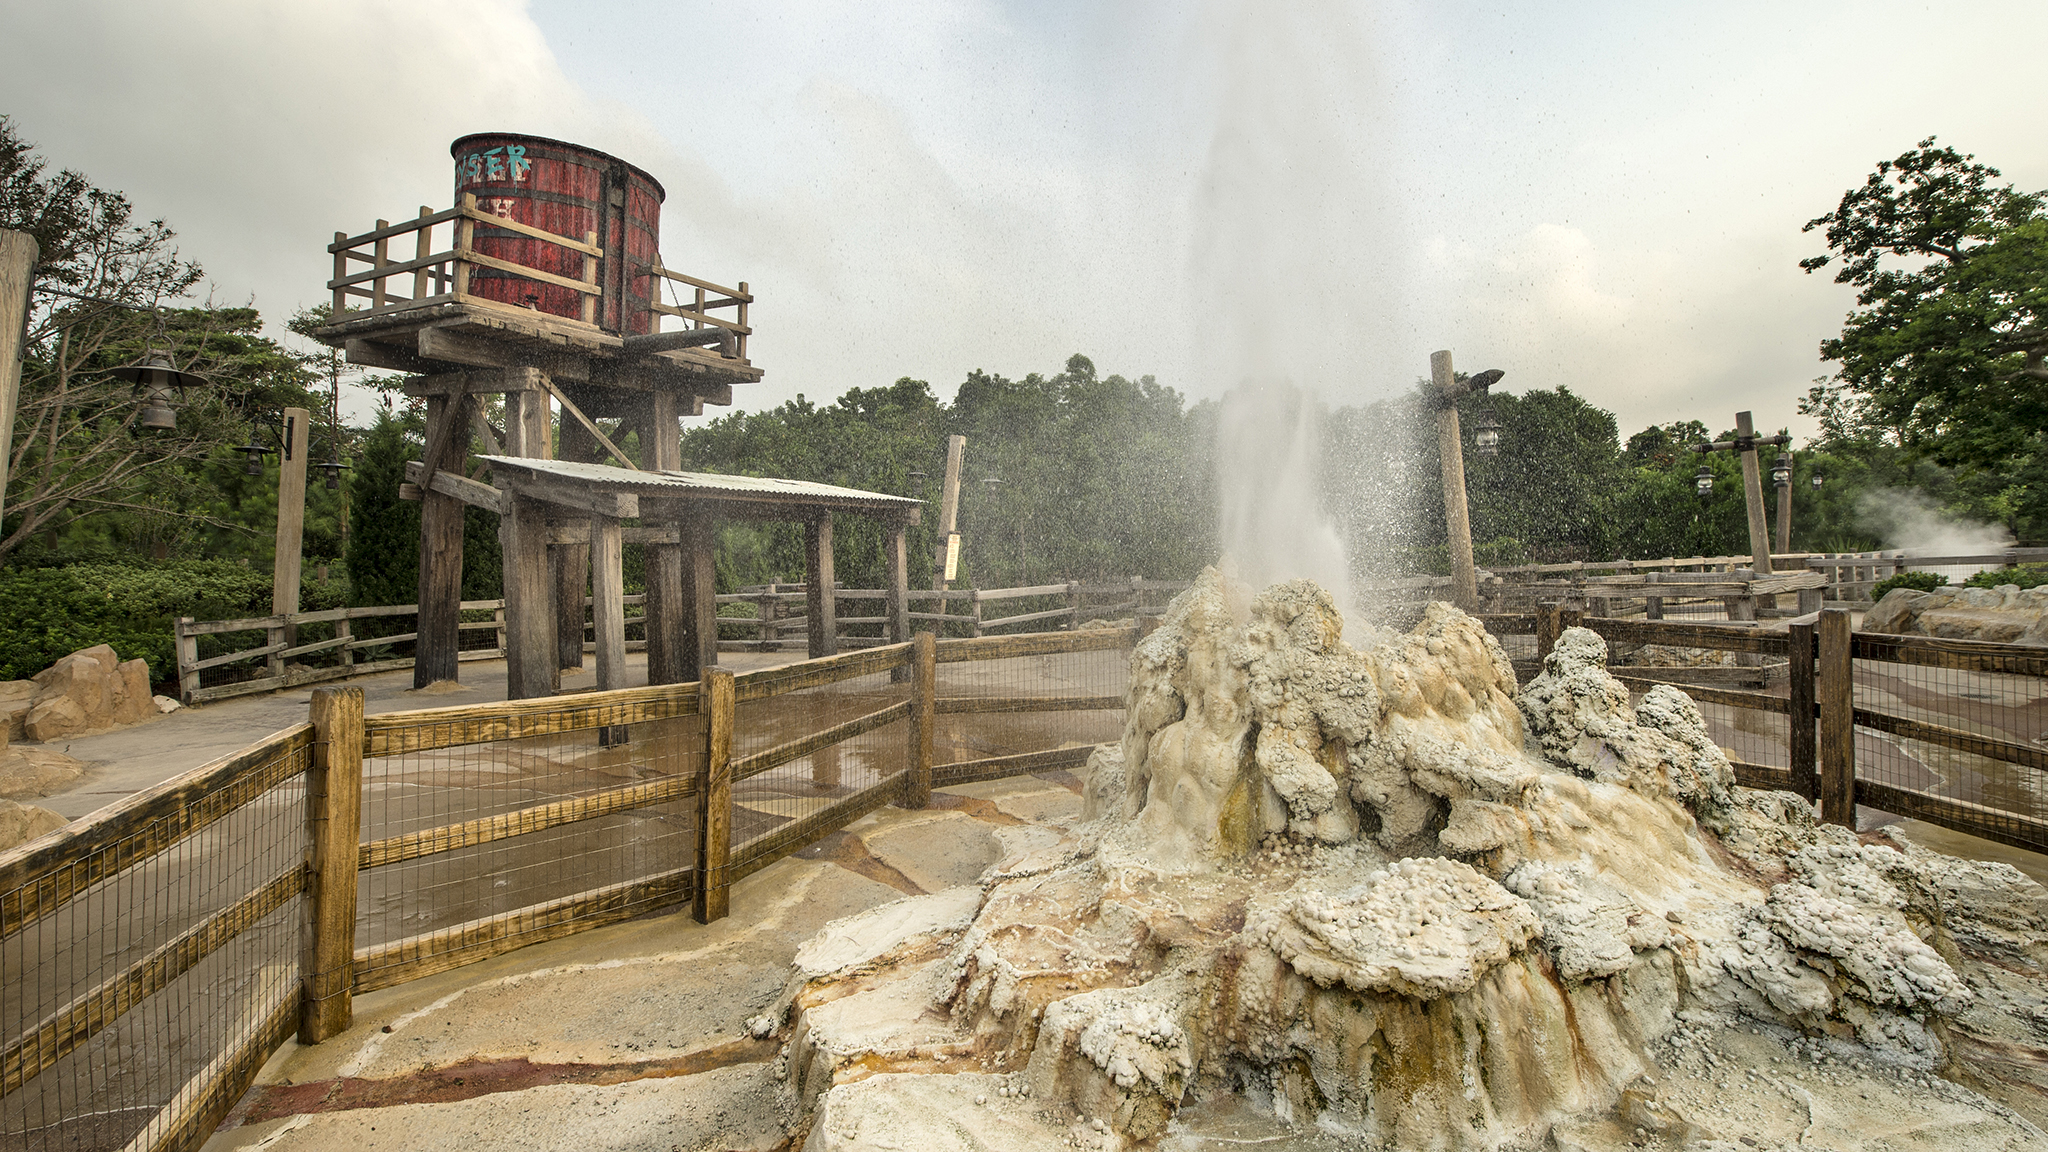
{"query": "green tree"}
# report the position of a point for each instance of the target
(1946, 354)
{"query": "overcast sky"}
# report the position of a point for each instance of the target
(1605, 196)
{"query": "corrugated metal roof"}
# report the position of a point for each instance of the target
(707, 484)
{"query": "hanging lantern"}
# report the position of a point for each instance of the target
(1816, 481)
(1703, 482)
(1486, 433)
(161, 385)
(333, 469)
(1781, 472)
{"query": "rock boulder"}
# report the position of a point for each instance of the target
(88, 691)
(2005, 615)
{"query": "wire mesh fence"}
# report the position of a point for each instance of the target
(150, 962)
(480, 845)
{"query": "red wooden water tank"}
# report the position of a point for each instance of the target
(569, 190)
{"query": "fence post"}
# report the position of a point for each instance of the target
(974, 612)
(188, 655)
(1073, 605)
(334, 812)
(716, 700)
(764, 609)
(917, 787)
(1835, 694)
(1549, 626)
(1799, 741)
(273, 636)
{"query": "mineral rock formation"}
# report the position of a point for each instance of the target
(1382, 895)
(2004, 614)
(21, 823)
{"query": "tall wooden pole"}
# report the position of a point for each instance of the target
(949, 511)
(1785, 516)
(1451, 451)
(1753, 496)
(291, 519)
(18, 254)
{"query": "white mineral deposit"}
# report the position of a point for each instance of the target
(1326, 897)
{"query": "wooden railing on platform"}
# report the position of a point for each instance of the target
(708, 297)
(443, 277)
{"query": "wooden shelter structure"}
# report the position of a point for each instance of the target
(557, 505)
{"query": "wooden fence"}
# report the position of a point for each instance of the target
(1808, 675)
(310, 781)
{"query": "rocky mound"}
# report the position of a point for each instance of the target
(1382, 899)
(2005, 614)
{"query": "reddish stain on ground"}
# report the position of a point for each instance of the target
(851, 853)
(980, 809)
(472, 1078)
(1063, 778)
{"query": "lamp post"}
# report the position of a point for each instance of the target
(946, 559)
(1745, 445)
(1781, 475)
(18, 254)
(1451, 452)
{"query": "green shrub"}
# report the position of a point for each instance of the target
(2025, 575)
(1917, 581)
(48, 613)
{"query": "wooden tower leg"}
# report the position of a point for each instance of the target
(440, 578)
(530, 669)
(572, 562)
(823, 607)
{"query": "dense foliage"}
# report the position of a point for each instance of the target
(1917, 581)
(2021, 575)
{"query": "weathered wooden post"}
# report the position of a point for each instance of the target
(949, 512)
(717, 700)
(1835, 694)
(188, 655)
(917, 785)
(531, 670)
(286, 561)
(440, 570)
(1549, 626)
(334, 798)
(820, 603)
(18, 255)
(1799, 742)
(608, 613)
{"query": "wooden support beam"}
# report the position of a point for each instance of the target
(687, 338)
(452, 347)
(530, 668)
(476, 382)
(698, 596)
(334, 808)
(714, 796)
(459, 487)
(569, 408)
(1451, 454)
(821, 606)
(370, 354)
(440, 560)
(570, 497)
(18, 255)
(288, 558)
(608, 613)
(1834, 695)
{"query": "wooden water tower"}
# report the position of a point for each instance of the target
(543, 283)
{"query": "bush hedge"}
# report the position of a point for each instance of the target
(48, 613)
(2024, 575)
(1917, 581)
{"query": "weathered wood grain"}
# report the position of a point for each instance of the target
(1834, 696)
(1040, 644)
(997, 767)
(955, 705)
(334, 823)
(397, 733)
(536, 818)
(714, 792)
(790, 750)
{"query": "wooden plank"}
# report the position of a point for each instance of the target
(352, 280)
(1834, 696)
(1729, 638)
(476, 381)
(493, 220)
(818, 673)
(235, 657)
(531, 671)
(1801, 744)
(527, 273)
(299, 677)
(704, 318)
(537, 818)
(1701, 694)
(735, 295)
(917, 787)
(2029, 755)
(451, 347)
(1761, 776)
(440, 551)
(998, 767)
(65, 1030)
(608, 607)
(1938, 652)
(334, 823)
(1963, 816)
(481, 939)
(399, 229)
(695, 603)
(250, 624)
(38, 877)
(591, 427)
(1026, 618)
(783, 753)
(958, 705)
(1036, 644)
(714, 792)
(423, 730)
(204, 1101)
(1019, 593)
(773, 845)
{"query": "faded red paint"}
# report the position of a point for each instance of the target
(566, 189)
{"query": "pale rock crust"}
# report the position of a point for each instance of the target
(1375, 894)
(2005, 614)
(21, 823)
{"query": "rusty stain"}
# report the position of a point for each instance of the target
(974, 806)
(472, 1078)
(1063, 778)
(851, 853)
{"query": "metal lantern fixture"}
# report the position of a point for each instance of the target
(1816, 481)
(1703, 482)
(333, 468)
(157, 379)
(1781, 472)
(254, 452)
(1486, 433)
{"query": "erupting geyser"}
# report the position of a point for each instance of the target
(1383, 899)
